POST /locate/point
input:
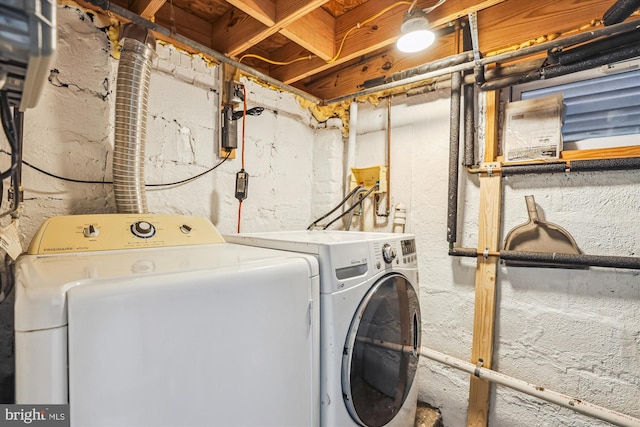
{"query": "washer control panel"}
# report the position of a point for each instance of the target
(102, 232)
(400, 252)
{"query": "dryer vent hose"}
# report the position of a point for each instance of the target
(132, 90)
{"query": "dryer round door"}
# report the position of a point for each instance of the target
(380, 358)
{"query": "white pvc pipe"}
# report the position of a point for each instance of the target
(544, 393)
(351, 145)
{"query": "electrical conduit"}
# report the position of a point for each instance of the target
(544, 393)
(132, 90)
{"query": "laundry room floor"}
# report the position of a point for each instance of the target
(426, 416)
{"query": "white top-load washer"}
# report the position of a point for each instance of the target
(153, 320)
(370, 326)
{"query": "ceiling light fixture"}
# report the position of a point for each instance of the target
(416, 35)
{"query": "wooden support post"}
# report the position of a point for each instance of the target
(486, 271)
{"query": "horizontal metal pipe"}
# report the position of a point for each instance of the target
(594, 48)
(620, 11)
(439, 64)
(628, 163)
(133, 17)
(394, 84)
(632, 263)
(538, 391)
(573, 259)
(552, 71)
(606, 58)
(562, 42)
(533, 168)
(504, 57)
(513, 80)
(605, 164)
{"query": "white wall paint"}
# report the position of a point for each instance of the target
(70, 133)
(574, 331)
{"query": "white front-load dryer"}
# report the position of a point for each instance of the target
(153, 320)
(370, 327)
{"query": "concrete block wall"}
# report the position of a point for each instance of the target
(574, 331)
(70, 134)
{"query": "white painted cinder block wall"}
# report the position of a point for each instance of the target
(574, 331)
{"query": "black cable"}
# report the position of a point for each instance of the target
(62, 178)
(16, 175)
(346, 198)
(352, 207)
(9, 126)
(82, 181)
(193, 177)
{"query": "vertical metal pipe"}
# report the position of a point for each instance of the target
(469, 125)
(351, 145)
(454, 154)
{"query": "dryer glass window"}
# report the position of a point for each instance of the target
(381, 353)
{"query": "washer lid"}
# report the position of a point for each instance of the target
(381, 353)
(42, 282)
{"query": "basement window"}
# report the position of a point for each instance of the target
(601, 106)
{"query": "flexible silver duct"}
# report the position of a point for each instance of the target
(132, 90)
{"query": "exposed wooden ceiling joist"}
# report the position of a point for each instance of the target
(381, 33)
(288, 30)
(147, 8)
(235, 33)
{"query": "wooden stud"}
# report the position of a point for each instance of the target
(486, 271)
(147, 8)
(236, 31)
(314, 32)
(261, 10)
(601, 153)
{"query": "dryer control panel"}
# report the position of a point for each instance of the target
(103, 232)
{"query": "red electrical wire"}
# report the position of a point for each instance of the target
(244, 120)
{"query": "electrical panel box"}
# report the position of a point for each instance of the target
(27, 45)
(368, 177)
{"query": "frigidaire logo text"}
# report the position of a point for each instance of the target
(27, 416)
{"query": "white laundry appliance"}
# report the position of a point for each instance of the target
(153, 320)
(370, 327)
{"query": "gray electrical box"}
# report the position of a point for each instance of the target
(27, 45)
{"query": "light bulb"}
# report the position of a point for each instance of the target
(416, 35)
(416, 41)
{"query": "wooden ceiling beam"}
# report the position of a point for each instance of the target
(146, 8)
(236, 32)
(263, 11)
(382, 32)
(289, 11)
(314, 32)
(186, 24)
(517, 22)
(351, 77)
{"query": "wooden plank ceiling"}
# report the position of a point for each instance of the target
(302, 38)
